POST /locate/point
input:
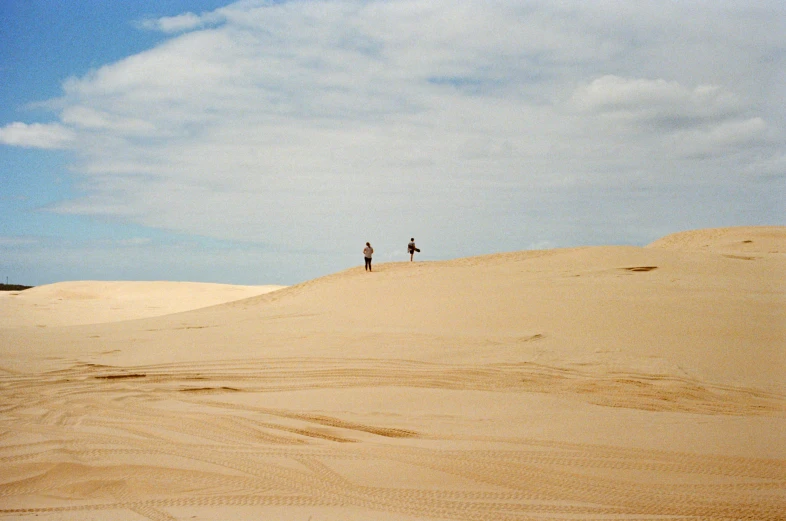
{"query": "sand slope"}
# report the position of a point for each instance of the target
(93, 302)
(754, 240)
(586, 383)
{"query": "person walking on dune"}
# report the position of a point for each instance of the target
(412, 249)
(367, 252)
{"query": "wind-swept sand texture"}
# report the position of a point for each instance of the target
(589, 383)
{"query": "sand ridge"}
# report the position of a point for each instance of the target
(751, 240)
(93, 302)
(608, 382)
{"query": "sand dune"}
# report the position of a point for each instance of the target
(93, 302)
(583, 383)
(755, 240)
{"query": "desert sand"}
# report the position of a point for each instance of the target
(608, 382)
(94, 302)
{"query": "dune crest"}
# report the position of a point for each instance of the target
(755, 240)
(93, 302)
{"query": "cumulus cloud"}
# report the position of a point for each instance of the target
(37, 135)
(655, 99)
(88, 118)
(308, 124)
(699, 121)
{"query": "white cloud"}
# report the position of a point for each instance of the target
(728, 136)
(641, 99)
(308, 124)
(698, 122)
(36, 135)
(182, 22)
(88, 118)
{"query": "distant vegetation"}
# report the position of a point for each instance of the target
(13, 287)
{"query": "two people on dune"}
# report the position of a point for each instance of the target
(368, 251)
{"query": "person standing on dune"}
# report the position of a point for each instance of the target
(367, 252)
(412, 249)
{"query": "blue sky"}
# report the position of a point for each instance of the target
(265, 142)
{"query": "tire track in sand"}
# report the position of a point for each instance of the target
(652, 392)
(99, 438)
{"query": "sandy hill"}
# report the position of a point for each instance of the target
(597, 382)
(92, 302)
(752, 240)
